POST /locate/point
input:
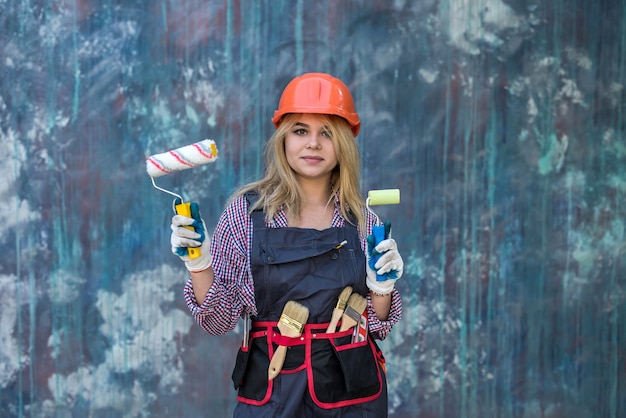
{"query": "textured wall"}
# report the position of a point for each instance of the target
(502, 121)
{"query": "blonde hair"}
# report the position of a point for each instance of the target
(279, 187)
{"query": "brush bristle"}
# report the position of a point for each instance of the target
(294, 315)
(343, 297)
(356, 306)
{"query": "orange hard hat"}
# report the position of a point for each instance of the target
(318, 93)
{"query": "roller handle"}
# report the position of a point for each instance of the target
(380, 233)
(184, 209)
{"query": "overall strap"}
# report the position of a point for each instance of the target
(258, 216)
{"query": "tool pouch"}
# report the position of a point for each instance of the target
(241, 363)
(250, 373)
(339, 372)
(342, 372)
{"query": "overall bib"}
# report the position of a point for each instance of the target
(324, 375)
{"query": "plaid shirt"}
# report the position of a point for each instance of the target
(232, 292)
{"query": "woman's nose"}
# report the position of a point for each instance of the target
(314, 142)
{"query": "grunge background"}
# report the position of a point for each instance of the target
(501, 121)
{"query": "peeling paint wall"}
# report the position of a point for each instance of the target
(502, 122)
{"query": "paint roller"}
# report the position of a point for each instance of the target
(381, 197)
(179, 159)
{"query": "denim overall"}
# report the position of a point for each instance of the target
(326, 375)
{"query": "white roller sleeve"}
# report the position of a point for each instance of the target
(178, 159)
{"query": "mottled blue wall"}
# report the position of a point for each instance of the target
(502, 122)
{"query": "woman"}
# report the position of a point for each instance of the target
(299, 234)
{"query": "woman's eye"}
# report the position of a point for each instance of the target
(326, 134)
(300, 131)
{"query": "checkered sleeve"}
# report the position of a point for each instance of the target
(381, 329)
(232, 291)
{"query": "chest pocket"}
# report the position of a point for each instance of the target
(283, 252)
(305, 270)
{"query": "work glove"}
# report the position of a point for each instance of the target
(384, 264)
(183, 238)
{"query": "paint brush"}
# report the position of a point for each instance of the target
(352, 315)
(339, 308)
(291, 324)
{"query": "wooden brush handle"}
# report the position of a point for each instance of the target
(347, 323)
(276, 363)
(332, 327)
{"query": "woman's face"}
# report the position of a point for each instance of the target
(309, 148)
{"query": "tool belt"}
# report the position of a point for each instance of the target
(339, 372)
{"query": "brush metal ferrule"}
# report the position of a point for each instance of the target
(341, 304)
(352, 313)
(292, 323)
